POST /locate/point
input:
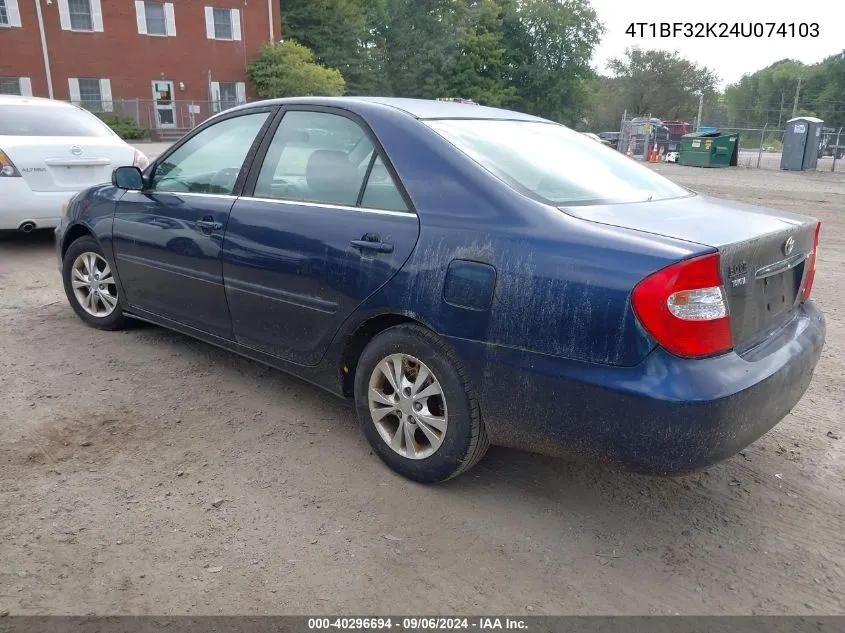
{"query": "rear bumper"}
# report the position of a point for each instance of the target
(665, 416)
(21, 204)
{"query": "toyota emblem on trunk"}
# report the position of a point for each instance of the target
(788, 245)
(75, 150)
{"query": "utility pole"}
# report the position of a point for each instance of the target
(780, 112)
(797, 94)
(700, 112)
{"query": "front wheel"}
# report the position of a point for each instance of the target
(416, 407)
(90, 285)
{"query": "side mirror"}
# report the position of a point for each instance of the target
(129, 178)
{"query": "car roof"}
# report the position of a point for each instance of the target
(417, 108)
(33, 101)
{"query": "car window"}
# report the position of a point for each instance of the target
(211, 161)
(28, 120)
(316, 157)
(555, 164)
(381, 192)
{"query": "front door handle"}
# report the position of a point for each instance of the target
(209, 225)
(379, 247)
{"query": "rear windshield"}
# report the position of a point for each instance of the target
(22, 120)
(555, 164)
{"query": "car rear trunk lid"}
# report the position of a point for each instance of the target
(68, 164)
(765, 254)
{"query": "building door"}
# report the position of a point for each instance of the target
(164, 104)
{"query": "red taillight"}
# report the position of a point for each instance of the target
(7, 167)
(811, 274)
(685, 309)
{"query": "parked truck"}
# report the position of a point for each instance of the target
(828, 145)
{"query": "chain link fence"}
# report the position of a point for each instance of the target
(759, 148)
(159, 120)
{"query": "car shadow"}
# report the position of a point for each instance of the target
(527, 480)
(16, 240)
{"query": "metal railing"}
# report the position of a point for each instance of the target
(160, 119)
(759, 148)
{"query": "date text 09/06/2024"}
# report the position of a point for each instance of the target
(723, 29)
(416, 623)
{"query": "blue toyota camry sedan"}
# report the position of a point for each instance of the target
(467, 275)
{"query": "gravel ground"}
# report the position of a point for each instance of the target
(144, 472)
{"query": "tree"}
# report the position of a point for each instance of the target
(337, 33)
(661, 83)
(764, 97)
(768, 95)
(288, 69)
(548, 45)
(606, 104)
(420, 41)
(477, 73)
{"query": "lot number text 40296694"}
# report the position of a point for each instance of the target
(723, 29)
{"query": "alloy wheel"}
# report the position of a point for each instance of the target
(93, 285)
(407, 406)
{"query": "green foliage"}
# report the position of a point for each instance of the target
(662, 83)
(532, 55)
(478, 70)
(288, 69)
(529, 55)
(337, 33)
(768, 95)
(548, 48)
(124, 127)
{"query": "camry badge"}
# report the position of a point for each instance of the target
(75, 150)
(789, 245)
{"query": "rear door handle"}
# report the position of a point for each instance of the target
(379, 247)
(209, 225)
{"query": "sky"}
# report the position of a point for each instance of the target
(733, 57)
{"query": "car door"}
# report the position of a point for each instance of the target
(167, 238)
(323, 223)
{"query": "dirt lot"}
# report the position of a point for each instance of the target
(144, 472)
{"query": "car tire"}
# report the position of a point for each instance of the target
(90, 285)
(447, 435)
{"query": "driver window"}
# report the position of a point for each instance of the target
(210, 161)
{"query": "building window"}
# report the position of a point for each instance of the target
(81, 15)
(9, 85)
(227, 94)
(10, 15)
(81, 18)
(155, 18)
(156, 22)
(91, 94)
(222, 24)
(16, 86)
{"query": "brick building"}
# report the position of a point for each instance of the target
(166, 64)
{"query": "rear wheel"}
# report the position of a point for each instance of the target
(415, 405)
(90, 285)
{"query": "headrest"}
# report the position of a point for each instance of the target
(332, 177)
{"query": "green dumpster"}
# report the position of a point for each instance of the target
(709, 149)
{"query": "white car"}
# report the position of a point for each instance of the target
(50, 150)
